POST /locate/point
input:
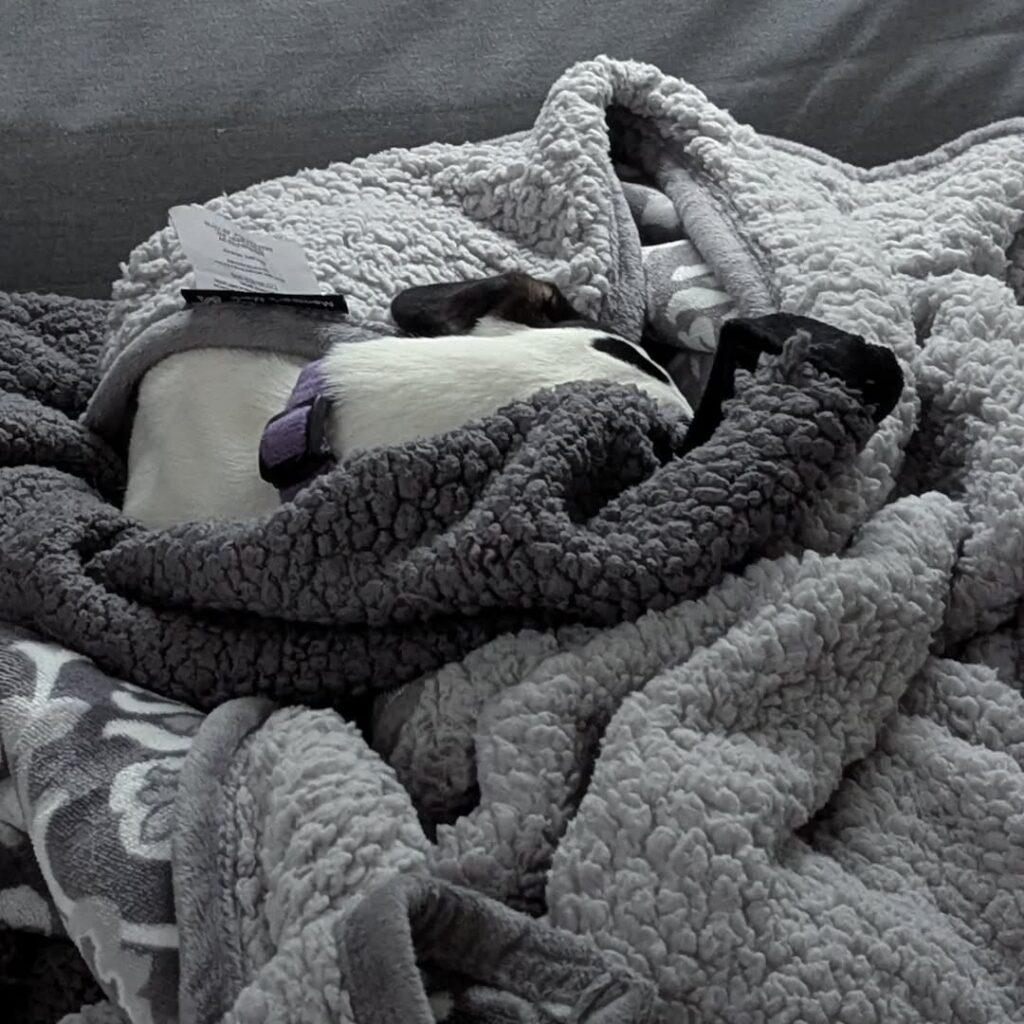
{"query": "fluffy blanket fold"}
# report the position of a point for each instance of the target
(734, 736)
(577, 505)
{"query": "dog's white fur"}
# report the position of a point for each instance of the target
(195, 439)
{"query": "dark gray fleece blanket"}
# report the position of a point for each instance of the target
(573, 507)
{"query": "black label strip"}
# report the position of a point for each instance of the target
(218, 296)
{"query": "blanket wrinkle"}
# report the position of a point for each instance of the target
(307, 851)
(1000, 650)
(296, 840)
(60, 376)
(533, 744)
(739, 844)
(470, 938)
(972, 385)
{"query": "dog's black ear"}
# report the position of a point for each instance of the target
(869, 370)
(456, 307)
(741, 343)
(748, 338)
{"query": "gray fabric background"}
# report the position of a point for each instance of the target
(111, 111)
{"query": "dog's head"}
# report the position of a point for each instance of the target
(457, 307)
(516, 304)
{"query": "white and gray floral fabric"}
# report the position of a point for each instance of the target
(88, 778)
(686, 302)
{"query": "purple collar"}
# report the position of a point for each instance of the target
(295, 447)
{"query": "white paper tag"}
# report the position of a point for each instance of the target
(226, 257)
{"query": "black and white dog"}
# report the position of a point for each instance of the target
(227, 433)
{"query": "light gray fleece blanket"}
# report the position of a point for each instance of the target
(766, 766)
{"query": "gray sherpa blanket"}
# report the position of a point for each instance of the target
(740, 728)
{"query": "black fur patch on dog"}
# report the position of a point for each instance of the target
(622, 350)
(456, 307)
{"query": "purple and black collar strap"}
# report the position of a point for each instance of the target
(295, 447)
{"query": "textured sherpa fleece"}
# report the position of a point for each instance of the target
(796, 795)
(575, 505)
(783, 226)
(303, 895)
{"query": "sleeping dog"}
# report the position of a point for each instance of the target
(226, 433)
